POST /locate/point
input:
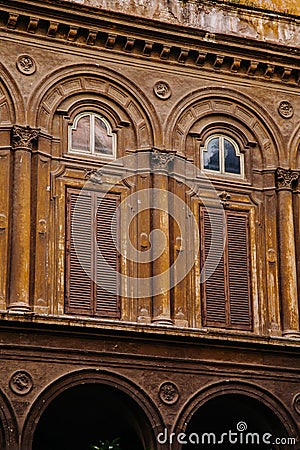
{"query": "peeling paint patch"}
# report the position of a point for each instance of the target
(282, 6)
(217, 17)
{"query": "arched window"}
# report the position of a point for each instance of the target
(92, 134)
(222, 154)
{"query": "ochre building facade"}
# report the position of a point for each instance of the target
(149, 225)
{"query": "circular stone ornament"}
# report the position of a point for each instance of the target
(21, 382)
(296, 403)
(285, 109)
(26, 64)
(168, 393)
(162, 90)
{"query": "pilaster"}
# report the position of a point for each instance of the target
(22, 141)
(161, 238)
(285, 179)
(5, 188)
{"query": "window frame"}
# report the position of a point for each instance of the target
(221, 137)
(92, 115)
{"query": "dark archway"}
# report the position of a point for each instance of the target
(9, 432)
(84, 414)
(236, 421)
(106, 401)
(219, 407)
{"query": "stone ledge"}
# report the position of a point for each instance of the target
(76, 324)
(205, 51)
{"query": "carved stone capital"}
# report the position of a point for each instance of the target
(23, 137)
(160, 160)
(285, 178)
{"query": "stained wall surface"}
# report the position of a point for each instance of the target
(248, 19)
(166, 76)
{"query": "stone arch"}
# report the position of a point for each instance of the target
(226, 103)
(294, 149)
(9, 432)
(87, 377)
(92, 79)
(238, 388)
(12, 108)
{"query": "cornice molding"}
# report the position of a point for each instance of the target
(218, 53)
(33, 323)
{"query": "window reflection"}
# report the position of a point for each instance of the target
(221, 154)
(103, 142)
(232, 161)
(91, 134)
(81, 135)
(211, 155)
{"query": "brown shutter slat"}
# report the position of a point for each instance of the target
(79, 282)
(107, 302)
(238, 269)
(226, 294)
(213, 293)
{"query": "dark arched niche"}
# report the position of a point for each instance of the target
(236, 420)
(8, 425)
(237, 409)
(84, 414)
(84, 407)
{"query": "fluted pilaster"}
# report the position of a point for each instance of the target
(285, 179)
(22, 141)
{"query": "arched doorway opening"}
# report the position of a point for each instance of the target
(232, 419)
(9, 432)
(2, 440)
(84, 414)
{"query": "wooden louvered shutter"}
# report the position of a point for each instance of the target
(79, 284)
(213, 294)
(107, 262)
(226, 293)
(238, 270)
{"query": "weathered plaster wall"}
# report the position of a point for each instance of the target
(283, 6)
(217, 17)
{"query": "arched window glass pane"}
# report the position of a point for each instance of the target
(232, 161)
(81, 135)
(103, 142)
(211, 158)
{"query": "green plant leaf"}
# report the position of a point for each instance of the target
(107, 445)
